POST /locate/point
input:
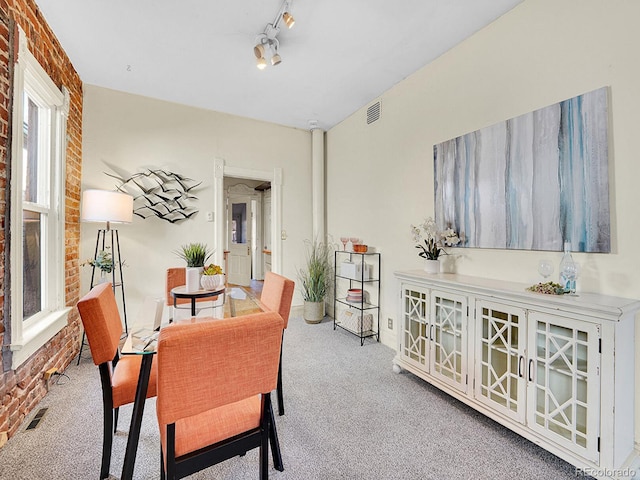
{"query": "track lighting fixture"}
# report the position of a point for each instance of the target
(267, 43)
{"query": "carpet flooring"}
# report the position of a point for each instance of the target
(348, 416)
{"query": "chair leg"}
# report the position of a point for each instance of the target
(115, 419)
(81, 347)
(107, 420)
(107, 442)
(275, 443)
(163, 476)
(279, 392)
(267, 413)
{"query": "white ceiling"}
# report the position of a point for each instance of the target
(339, 56)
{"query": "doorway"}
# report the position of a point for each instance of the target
(244, 228)
(274, 177)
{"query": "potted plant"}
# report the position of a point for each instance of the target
(103, 262)
(433, 240)
(212, 277)
(315, 279)
(195, 254)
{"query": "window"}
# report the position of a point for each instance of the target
(38, 309)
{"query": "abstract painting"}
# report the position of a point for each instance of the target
(531, 182)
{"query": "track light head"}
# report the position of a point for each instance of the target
(289, 21)
(259, 50)
(276, 59)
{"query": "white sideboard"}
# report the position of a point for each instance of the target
(558, 370)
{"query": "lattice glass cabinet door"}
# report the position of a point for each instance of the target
(500, 380)
(413, 337)
(448, 336)
(564, 376)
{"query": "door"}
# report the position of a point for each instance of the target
(239, 230)
(564, 376)
(413, 335)
(448, 336)
(500, 378)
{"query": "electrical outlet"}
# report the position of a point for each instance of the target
(390, 323)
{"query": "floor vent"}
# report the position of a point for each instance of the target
(373, 113)
(36, 420)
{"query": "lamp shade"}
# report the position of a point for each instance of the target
(106, 206)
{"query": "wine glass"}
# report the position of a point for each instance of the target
(570, 274)
(545, 268)
(344, 241)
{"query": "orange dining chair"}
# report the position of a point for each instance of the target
(177, 276)
(214, 384)
(118, 375)
(277, 293)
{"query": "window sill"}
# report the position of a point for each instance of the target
(37, 335)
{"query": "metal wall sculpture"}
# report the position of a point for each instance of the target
(531, 182)
(166, 195)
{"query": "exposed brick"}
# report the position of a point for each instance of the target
(22, 389)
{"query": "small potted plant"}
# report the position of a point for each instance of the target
(315, 279)
(212, 277)
(195, 254)
(103, 261)
(434, 241)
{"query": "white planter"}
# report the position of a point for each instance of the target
(313, 312)
(193, 279)
(212, 282)
(432, 266)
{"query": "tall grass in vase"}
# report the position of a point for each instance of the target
(315, 279)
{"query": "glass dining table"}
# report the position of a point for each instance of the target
(143, 341)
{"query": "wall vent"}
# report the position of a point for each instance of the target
(373, 113)
(36, 420)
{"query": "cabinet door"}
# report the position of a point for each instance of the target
(413, 335)
(500, 379)
(448, 337)
(564, 376)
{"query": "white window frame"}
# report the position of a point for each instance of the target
(27, 336)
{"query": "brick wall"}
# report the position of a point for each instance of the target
(22, 389)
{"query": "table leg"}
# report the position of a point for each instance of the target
(136, 417)
(193, 307)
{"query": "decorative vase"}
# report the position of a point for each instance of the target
(212, 282)
(432, 266)
(313, 312)
(193, 275)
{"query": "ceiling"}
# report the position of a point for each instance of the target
(339, 56)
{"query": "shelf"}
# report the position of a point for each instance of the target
(364, 334)
(371, 280)
(358, 305)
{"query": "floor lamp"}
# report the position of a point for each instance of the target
(110, 207)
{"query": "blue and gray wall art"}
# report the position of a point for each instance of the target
(531, 182)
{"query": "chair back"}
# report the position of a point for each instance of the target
(176, 277)
(101, 319)
(211, 363)
(277, 294)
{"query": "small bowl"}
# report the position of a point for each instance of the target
(359, 248)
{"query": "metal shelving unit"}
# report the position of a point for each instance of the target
(357, 270)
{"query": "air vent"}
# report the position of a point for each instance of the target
(36, 420)
(373, 113)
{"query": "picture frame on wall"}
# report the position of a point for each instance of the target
(531, 182)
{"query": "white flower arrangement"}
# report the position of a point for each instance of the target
(434, 241)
